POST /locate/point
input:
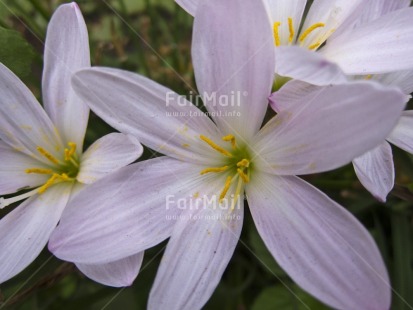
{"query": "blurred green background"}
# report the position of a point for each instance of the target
(153, 38)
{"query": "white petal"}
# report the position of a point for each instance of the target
(116, 274)
(157, 116)
(125, 213)
(402, 135)
(25, 230)
(232, 52)
(107, 155)
(24, 123)
(66, 51)
(301, 64)
(189, 5)
(332, 13)
(384, 45)
(328, 130)
(13, 165)
(197, 254)
(280, 11)
(375, 170)
(401, 79)
(321, 246)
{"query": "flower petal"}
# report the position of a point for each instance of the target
(25, 230)
(24, 123)
(107, 155)
(125, 213)
(332, 13)
(66, 51)
(329, 130)
(281, 11)
(375, 171)
(233, 51)
(189, 5)
(298, 63)
(197, 254)
(321, 246)
(384, 45)
(13, 165)
(116, 274)
(402, 135)
(401, 79)
(158, 117)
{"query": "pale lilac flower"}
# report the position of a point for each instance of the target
(331, 44)
(42, 152)
(375, 169)
(317, 242)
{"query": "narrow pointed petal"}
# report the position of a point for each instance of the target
(307, 66)
(189, 5)
(375, 170)
(107, 155)
(66, 51)
(24, 123)
(131, 210)
(329, 130)
(321, 246)
(332, 13)
(402, 135)
(233, 56)
(281, 11)
(13, 165)
(120, 273)
(158, 117)
(384, 45)
(197, 254)
(25, 230)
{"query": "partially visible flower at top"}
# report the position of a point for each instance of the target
(375, 169)
(195, 194)
(41, 152)
(345, 45)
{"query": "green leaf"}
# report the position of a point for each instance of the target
(291, 298)
(15, 52)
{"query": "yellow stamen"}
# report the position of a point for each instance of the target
(69, 152)
(47, 155)
(216, 147)
(237, 194)
(226, 188)
(64, 177)
(230, 138)
(218, 169)
(310, 29)
(243, 163)
(291, 29)
(39, 171)
(49, 183)
(277, 34)
(314, 46)
(368, 77)
(243, 176)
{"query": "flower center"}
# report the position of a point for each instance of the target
(304, 35)
(59, 171)
(237, 166)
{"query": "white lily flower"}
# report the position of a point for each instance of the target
(195, 194)
(41, 152)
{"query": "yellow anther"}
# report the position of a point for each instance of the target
(226, 188)
(49, 183)
(291, 29)
(314, 46)
(47, 155)
(39, 171)
(230, 138)
(243, 176)
(69, 152)
(243, 163)
(368, 77)
(218, 169)
(310, 29)
(64, 177)
(276, 33)
(215, 146)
